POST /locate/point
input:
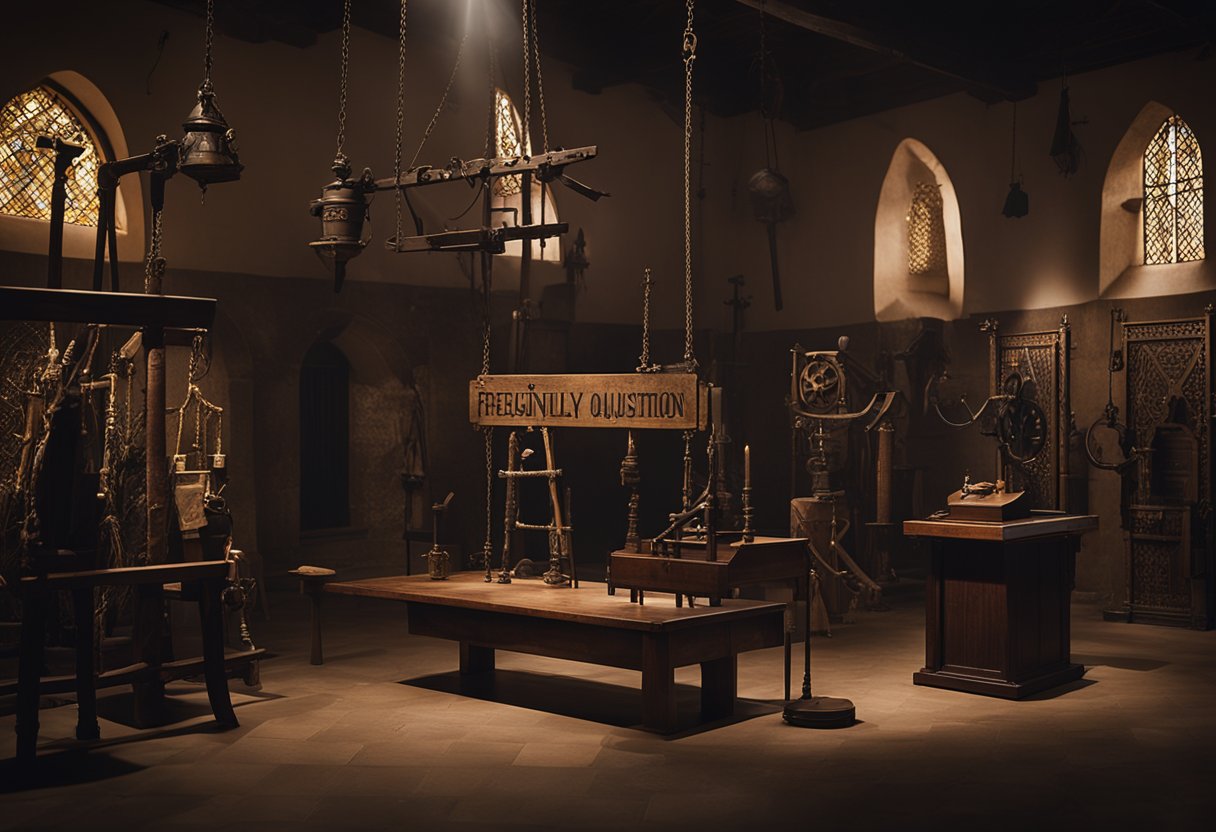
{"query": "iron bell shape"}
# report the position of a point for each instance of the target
(209, 153)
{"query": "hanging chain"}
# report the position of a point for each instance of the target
(340, 156)
(487, 431)
(645, 366)
(540, 90)
(443, 101)
(397, 195)
(526, 138)
(208, 44)
(154, 264)
(690, 57)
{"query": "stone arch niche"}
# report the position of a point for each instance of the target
(899, 294)
(1121, 269)
(385, 419)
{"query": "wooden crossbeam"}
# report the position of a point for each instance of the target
(19, 303)
(1009, 87)
(492, 168)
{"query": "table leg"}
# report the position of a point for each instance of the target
(658, 685)
(86, 691)
(211, 615)
(475, 659)
(719, 680)
(148, 642)
(314, 615)
(29, 670)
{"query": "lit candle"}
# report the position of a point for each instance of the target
(747, 466)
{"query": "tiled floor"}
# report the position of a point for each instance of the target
(376, 739)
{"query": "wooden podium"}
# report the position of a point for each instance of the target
(997, 603)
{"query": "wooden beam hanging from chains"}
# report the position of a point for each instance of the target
(1011, 87)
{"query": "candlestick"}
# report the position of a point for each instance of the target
(747, 466)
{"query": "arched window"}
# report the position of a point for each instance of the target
(324, 438)
(918, 239)
(1173, 195)
(926, 231)
(511, 139)
(27, 172)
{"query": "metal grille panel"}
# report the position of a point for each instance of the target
(926, 231)
(506, 142)
(1173, 195)
(27, 173)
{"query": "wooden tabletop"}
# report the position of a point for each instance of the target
(590, 604)
(1040, 525)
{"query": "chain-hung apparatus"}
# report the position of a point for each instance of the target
(344, 203)
(208, 151)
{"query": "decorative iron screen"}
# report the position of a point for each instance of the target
(926, 231)
(27, 173)
(1173, 195)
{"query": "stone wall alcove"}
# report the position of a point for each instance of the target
(898, 293)
(1121, 269)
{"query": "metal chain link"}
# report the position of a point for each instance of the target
(690, 56)
(645, 366)
(342, 72)
(540, 91)
(208, 43)
(487, 547)
(397, 195)
(151, 261)
(526, 138)
(443, 101)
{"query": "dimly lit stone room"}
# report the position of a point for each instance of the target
(607, 414)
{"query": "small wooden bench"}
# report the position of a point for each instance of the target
(587, 625)
(204, 580)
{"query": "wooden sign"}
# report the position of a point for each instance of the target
(620, 400)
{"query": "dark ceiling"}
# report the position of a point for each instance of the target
(830, 60)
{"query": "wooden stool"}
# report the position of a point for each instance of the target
(312, 584)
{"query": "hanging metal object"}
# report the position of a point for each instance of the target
(771, 204)
(343, 207)
(1017, 202)
(208, 148)
(1065, 148)
(209, 152)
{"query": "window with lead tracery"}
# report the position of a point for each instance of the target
(27, 172)
(511, 139)
(1173, 195)
(926, 231)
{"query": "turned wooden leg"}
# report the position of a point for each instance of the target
(658, 685)
(29, 672)
(211, 615)
(86, 691)
(719, 679)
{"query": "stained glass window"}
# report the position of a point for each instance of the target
(507, 140)
(926, 231)
(1173, 195)
(27, 172)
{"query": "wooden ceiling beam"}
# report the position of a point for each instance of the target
(1012, 87)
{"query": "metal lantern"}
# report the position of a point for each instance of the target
(342, 208)
(208, 152)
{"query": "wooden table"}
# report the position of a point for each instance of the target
(997, 614)
(587, 625)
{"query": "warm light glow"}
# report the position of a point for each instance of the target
(27, 173)
(1173, 195)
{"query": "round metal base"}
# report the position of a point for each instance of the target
(820, 712)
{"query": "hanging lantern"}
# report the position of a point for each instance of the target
(342, 208)
(208, 153)
(1017, 203)
(208, 149)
